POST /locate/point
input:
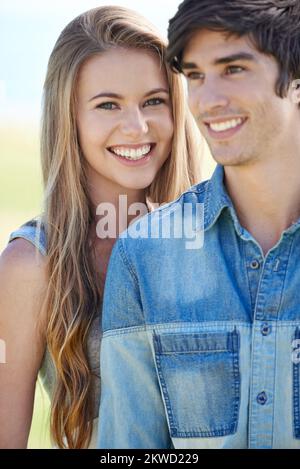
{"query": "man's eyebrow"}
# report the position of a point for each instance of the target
(107, 94)
(188, 65)
(234, 57)
(223, 60)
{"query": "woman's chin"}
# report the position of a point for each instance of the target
(139, 185)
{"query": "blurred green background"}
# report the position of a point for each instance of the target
(21, 190)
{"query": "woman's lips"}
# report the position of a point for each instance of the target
(139, 162)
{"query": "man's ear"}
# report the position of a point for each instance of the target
(296, 91)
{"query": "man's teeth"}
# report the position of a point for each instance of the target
(132, 153)
(221, 126)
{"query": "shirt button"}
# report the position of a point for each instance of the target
(254, 264)
(261, 398)
(266, 329)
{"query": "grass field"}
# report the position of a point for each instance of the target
(20, 200)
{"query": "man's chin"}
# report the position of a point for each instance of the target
(230, 159)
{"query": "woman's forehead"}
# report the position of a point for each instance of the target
(122, 69)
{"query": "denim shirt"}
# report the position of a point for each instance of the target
(200, 347)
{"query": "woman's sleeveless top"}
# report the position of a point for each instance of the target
(35, 234)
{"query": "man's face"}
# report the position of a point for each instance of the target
(232, 97)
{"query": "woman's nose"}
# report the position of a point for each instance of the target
(134, 124)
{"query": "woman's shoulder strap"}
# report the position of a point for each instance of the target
(34, 232)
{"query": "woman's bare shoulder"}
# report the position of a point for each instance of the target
(20, 258)
(23, 280)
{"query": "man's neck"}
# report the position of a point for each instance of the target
(266, 196)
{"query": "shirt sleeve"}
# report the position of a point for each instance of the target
(132, 413)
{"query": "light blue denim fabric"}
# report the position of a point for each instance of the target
(200, 346)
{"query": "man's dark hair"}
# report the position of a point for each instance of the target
(273, 26)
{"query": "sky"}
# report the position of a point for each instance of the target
(28, 31)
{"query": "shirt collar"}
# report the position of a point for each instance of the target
(216, 200)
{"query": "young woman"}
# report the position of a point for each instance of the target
(114, 123)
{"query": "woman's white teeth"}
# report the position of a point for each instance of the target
(132, 153)
(221, 126)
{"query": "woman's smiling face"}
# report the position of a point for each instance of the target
(124, 117)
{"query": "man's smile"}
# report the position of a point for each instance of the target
(224, 128)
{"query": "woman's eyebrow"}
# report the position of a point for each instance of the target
(156, 90)
(107, 94)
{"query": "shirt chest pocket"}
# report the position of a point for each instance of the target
(200, 382)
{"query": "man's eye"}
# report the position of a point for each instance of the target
(154, 102)
(195, 76)
(108, 105)
(232, 69)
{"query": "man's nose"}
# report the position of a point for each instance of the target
(208, 99)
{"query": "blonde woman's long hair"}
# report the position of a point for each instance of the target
(73, 298)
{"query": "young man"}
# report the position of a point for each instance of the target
(200, 345)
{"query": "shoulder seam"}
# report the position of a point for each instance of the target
(198, 189)
(126, 261)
